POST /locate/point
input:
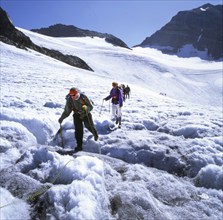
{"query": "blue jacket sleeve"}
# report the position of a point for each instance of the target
(108, 97)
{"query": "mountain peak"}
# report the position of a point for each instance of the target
(199, 28)
(207, 5)
(62, 30)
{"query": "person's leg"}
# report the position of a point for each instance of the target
(89, 124)
(114, 112)
(124, 97)
(119, 115)
(78, 125)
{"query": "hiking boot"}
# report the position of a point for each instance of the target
(78, 148)
(117, 121)
(96, 137)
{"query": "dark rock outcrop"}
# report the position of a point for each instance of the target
(60, 30)
(10, 35)
(200, 27)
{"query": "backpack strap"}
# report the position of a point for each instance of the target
(82, 99)
(82, 102)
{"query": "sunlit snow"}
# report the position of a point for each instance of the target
(165, 163)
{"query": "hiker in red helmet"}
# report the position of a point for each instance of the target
(81, 106)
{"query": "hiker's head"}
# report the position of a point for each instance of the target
(114, 84)
(74, 93)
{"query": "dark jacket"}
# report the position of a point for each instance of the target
(76, 106)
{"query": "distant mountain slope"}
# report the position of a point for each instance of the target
(10, 35)
(60, 30)
(200, 27)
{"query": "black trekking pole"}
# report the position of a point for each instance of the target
(101, 107)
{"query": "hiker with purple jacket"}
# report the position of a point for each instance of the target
(117, 102)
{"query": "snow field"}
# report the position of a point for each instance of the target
(165, 162)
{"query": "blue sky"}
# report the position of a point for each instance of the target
(131, 21)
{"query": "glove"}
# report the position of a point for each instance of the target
(84, 107)
(60, 120)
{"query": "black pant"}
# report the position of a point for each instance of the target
(79, 129)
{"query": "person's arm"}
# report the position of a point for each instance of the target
(88, 103)
(66, 112)
(109, 96)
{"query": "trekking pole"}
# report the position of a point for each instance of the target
(109, 106)
(101, 107)
(61, 136)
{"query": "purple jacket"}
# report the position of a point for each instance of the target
(116, 96)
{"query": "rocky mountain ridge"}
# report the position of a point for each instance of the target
(61, 30)
(194, 33)
(200, 27)
(10, 35)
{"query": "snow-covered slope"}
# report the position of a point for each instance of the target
(164, 163)
(185, 79)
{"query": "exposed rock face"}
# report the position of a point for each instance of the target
(200, 27)
(60, 30)
(10, 35)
